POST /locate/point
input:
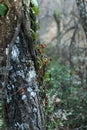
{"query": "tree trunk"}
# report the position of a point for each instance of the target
(82, 8)
(20, 94)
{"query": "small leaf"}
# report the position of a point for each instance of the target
(36, 10)
(34, 34)
(35, 3)
(3, 9)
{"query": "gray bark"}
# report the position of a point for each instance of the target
(20, 94)
(21, 100)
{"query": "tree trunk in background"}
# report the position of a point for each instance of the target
(82, 8)
(21, 105)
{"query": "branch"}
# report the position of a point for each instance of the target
(66, 31)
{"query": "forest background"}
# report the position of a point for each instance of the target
(62, 31)
(65, 79)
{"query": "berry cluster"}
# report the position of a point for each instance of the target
(42, 61)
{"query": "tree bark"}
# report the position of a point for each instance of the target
(82, 8)
(20, 94)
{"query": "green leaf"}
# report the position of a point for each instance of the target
(35, 3)
(36, 10)
(34, 34)
(3, 9)
(35, 7)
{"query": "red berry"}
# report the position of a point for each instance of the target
(40, 51)
(22, 90)
(46, 103)
(42, 45)
(44, 62)
(41, 72)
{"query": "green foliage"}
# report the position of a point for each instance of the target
(3, 9)
(34, 2)
(33, 12)
(70, 112)
(59, 74)
(34, 34)
(35, 8)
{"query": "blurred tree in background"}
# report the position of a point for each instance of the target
(66, 75)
